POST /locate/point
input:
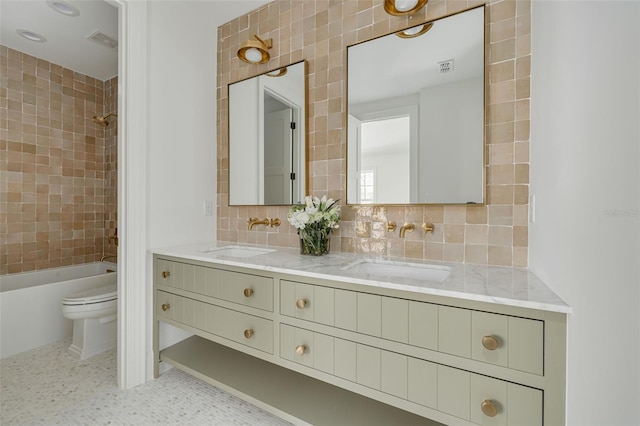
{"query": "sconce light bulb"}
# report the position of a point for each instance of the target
(253, 55)
(405, 5)
(414, 30)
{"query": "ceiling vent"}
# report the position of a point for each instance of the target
(103, 40)
(446, 66)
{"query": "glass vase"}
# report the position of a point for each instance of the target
(314, 245)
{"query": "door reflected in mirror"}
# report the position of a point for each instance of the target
(267, 138)
(416, 114)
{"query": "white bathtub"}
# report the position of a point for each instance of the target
(30, 304)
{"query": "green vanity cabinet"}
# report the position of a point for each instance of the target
(245, 289)
(430, 358)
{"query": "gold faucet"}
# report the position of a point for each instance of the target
(253, 221)
(391, 226)
(274, 222)
(427, 227)
(406, 227)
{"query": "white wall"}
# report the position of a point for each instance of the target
(182, 121)
(450, 154)
(244, 143)
(182, 70)
(392, 183)
(585, 140)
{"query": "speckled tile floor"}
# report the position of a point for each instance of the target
(47, 386)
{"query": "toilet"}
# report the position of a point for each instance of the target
(94, 314)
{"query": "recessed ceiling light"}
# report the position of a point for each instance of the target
(63, 7)
(30, 35)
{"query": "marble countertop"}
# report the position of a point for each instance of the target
(494, 284)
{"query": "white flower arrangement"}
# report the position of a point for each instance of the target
(315, 220)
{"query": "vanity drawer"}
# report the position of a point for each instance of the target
(368, 366)
(370, 314)
(196, 279)
(246, 329)
(511, 342)
(485, 400)
(239, 327)
(322, 352)
(308, 302)
(245, 289)
(176, 308)
(476, 398)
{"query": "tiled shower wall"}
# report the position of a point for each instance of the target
(111, 167)
(319, 32)
(54, 165)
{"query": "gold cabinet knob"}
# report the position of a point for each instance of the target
(300, 350)
(490, 343)
(166, 274)
(165, 306)
(489, 408)
(302, 303)
(248, 292)
(248, 333)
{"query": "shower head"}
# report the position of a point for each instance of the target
(102, 120)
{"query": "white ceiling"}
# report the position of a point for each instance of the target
(390, 66)
(67, 44)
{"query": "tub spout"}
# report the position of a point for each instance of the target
(108, 256)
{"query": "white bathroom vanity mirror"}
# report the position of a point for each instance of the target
(267, 138)
(416, 115)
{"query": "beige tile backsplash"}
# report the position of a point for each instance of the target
(319, 32)
(55, 165)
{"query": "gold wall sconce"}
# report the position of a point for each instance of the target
(255, 51)
(403, 7)
(415, 31)
(277, 73)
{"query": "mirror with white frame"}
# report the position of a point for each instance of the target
(267, 138)
(416, 120)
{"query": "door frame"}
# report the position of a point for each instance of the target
(134, 351)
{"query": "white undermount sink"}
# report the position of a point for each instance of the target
(237, 251)
(391, 269)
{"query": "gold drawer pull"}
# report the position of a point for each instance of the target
(166, 274)
(489, 408)
(302, 303)
(490, 343)
(165, 306)
(300, 350)
(248, 333)
(248, 292)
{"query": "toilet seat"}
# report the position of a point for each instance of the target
(98, 302)
(92, 296)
